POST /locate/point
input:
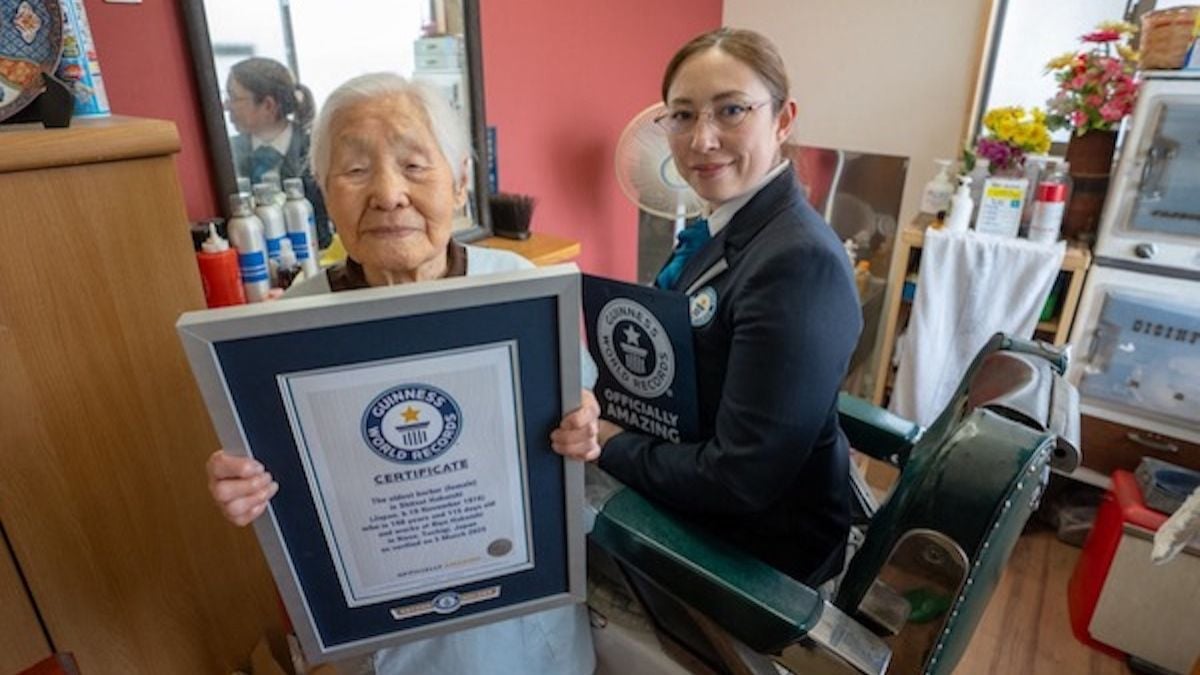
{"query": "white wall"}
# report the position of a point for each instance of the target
(887, 76)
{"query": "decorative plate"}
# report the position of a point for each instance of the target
(30, 44)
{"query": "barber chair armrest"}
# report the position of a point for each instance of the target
(876, 432)
(755, 603)
(1057, 356)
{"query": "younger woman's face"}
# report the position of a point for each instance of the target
(724, 163)
(248, 115)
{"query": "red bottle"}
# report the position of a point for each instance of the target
(219, 272)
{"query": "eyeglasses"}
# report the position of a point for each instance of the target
(726, 116)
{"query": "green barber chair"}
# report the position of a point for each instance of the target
(913, 593)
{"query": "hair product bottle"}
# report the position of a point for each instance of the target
(1050, 200)
(219, 271)
(271, 215)
(301, 225)
(246, 235)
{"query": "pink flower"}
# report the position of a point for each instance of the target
(1094, 101)
(1101, 36)
(1112, 111)
(1078, 119)
(1078, 82)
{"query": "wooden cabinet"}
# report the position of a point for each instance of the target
(22, 641)
(1108, 446)
(1074, 268)
(103, 435)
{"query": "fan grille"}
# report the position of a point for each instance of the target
(646, 171)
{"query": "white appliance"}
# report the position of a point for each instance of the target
(1137, 331)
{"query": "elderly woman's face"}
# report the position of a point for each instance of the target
(721, 164)
(390, 189)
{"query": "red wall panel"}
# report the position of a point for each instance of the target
(561, 80)
(147, 71)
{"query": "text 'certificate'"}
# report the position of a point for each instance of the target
(416, 466)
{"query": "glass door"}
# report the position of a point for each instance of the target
(1152, 215)
(1167, 200)
(1137, 358)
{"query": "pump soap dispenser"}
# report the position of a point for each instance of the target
(936, 197)
(961, 207)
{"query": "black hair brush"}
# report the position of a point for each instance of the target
(511, 214)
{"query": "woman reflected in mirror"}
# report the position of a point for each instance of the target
(272, 114)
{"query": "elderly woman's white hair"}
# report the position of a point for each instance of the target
(444, 122)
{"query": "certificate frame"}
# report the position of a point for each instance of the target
(245, 361)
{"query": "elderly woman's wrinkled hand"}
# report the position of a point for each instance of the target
(240, 486)
(577, 434)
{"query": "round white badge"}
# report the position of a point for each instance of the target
(703, 306)
(635, 347)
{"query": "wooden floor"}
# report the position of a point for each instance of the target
(1026, 629)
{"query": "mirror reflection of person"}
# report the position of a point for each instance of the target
(272, 114)
(770, 472)
(391, 156)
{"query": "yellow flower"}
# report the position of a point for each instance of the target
(1014, 126)
(1123, 27)
(1061, 61)
(1128, 53)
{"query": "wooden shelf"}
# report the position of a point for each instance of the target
(540, 248)
(1075, 263)
(1076, 258)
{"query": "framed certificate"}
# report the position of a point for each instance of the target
(409, 431)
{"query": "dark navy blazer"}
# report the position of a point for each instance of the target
(771, 473)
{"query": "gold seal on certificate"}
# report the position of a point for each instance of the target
(416, 467)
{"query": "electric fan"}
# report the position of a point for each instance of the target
(647, 173)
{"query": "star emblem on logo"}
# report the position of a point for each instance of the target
(410, 415)
(631, 336)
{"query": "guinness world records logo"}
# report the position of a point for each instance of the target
(635, 347)
(411, 423)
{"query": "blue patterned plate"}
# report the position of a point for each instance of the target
(30, 44)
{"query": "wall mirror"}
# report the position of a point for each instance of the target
(320, 44)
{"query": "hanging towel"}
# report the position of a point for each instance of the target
(970, 287)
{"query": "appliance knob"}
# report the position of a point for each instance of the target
(1145, 251)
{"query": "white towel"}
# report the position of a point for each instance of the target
(971, 286)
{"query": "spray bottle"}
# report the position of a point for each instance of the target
(246, 235)
(301, 226)
(271, 215)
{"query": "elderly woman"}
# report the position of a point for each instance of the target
(391, 158)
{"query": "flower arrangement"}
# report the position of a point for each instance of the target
(1010, 134)
(1096, 87)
